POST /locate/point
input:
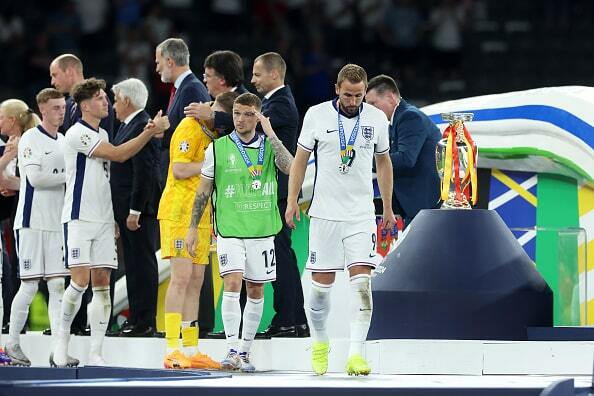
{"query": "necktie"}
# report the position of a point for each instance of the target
(73, 117)
(120, 128)
(171, 96)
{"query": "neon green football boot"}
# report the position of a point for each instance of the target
(356, 365)
(319, 357)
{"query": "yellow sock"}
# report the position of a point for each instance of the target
(172, 326)
(190, 340)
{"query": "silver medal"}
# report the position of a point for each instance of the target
(256, 184)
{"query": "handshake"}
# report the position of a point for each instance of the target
(157, 125)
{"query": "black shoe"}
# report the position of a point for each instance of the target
(138, 331)
(127, 325)
(302, 330)
(47, 332)
(277, 331)
(216, 335)
(87, 331)
(112, 333)
(77, 331)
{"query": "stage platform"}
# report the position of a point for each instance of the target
(276, 383)
(456, 357)
(399, 367)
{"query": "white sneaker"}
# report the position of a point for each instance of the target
(70, 361)
(60, 355)
(96, 360)
(246, 365)
(16, 355)
(231, 362)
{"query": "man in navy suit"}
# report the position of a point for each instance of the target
(413, 138)
(223, 72)
(65, 72)
(268, 76)
(172, 58)
(135, 194)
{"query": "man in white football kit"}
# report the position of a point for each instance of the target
(37, 222)
(87, 216)
(345, 136)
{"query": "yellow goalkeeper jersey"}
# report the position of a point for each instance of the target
(188, 144)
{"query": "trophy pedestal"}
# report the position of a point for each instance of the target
(459, 274)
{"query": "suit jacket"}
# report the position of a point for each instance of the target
(136, 181)
(284, 118)
(73, 114)
(223, 122)
(413, 138)
(190, 90)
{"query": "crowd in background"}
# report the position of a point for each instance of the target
(435, 46)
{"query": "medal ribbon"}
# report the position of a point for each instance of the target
(471, 165)
(255, 170)
(345, 148)
(447, 168)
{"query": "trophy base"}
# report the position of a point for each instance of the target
(456, 205)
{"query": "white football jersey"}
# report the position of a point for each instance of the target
(40, 199)
(88, 195)
(343, 196)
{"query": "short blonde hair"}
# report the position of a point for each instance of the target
(353, 73)
(46, 94)
(25, 117)
(249, 99)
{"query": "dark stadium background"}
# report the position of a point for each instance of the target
(505, 44)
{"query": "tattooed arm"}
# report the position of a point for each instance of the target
(283, 157)
(200, 202)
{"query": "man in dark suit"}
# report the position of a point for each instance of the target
(172, 58)
(135, 194)
(66, 71)
(413, 138)
(223, 72)
(268, 76)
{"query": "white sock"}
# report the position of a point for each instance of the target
(20, 309)
(99, 309)
(71, 301)
(55, 287)
(319, 308)
(188, 350)
(361, 302)
(252, 313)
(70, 305)
(231, 313)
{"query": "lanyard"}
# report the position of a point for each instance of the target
(346, 149)
(256, 170)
